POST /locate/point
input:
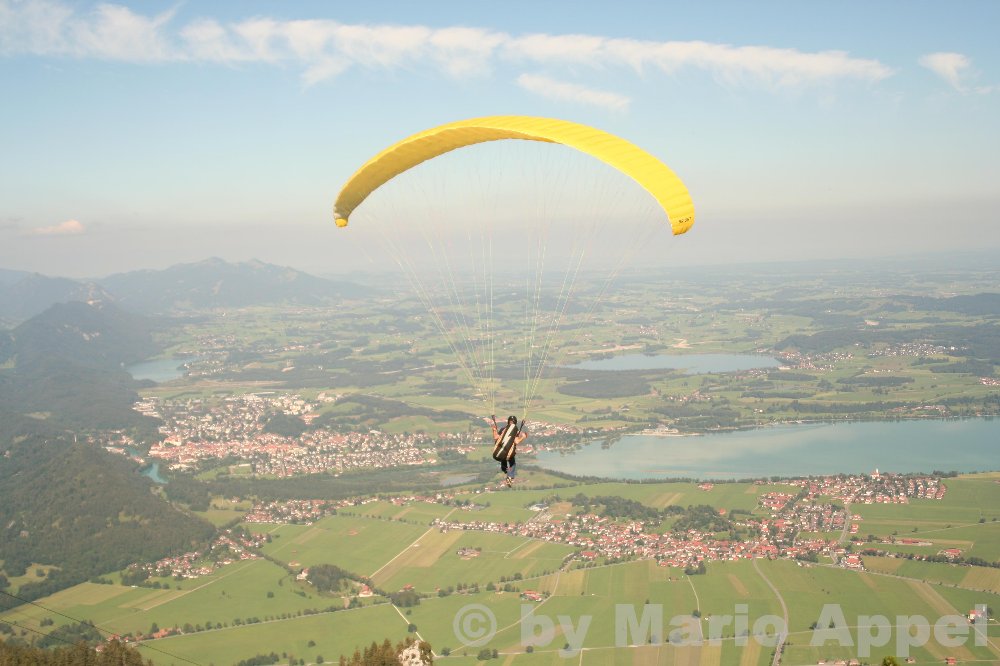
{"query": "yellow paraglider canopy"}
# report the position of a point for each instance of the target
(662, 183)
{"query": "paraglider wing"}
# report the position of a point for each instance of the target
(649, 172)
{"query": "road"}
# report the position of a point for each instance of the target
(783, 634)
(847, 522)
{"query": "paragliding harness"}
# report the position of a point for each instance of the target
(504, 449)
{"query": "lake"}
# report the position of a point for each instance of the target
(159, 370)
(153, 472)
(963, 445)
(696, 364)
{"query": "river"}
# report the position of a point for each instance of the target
(924, 445)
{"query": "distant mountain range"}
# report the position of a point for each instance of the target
(215, 283)
(23, 295)
(212, 283)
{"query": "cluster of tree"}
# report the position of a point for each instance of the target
(329, 578)
(506, 587)
(879, 407)
(285, 425)
(387, 654)
(461, 588)
(703, 518)
(113, 653)
(187, 490)
(260, 660)
(696, 570)
(614, 506)
(709, 415)
(971, 367)
(70, 634)
(84, 511)
(405, 598)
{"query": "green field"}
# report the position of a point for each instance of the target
(239, 591)
(433, 562)
(395, 545)
(333, 634)
(358, 544)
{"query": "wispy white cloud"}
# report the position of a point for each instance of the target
(112, 32)
(67, 228)
(324, 48)
(956, 70)
(466, 51)
(117, 33)
(771, 66)
(572, 92)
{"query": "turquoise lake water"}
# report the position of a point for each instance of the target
(160, 370)
(963, 445)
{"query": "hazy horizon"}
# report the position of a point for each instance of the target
(143, 137)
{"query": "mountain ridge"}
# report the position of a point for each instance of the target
(206, 284)
(216, 283)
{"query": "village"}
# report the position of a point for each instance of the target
(195, 432)
(234, 429)
(803, 523)
(230, 545)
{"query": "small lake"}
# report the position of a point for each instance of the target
(696, 364)
(457, 479)
(153, 472)
(159, 370)
(963, 445)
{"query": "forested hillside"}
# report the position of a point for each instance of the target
(63, 369)
(84, 511)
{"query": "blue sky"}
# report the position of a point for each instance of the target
(139, 135)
